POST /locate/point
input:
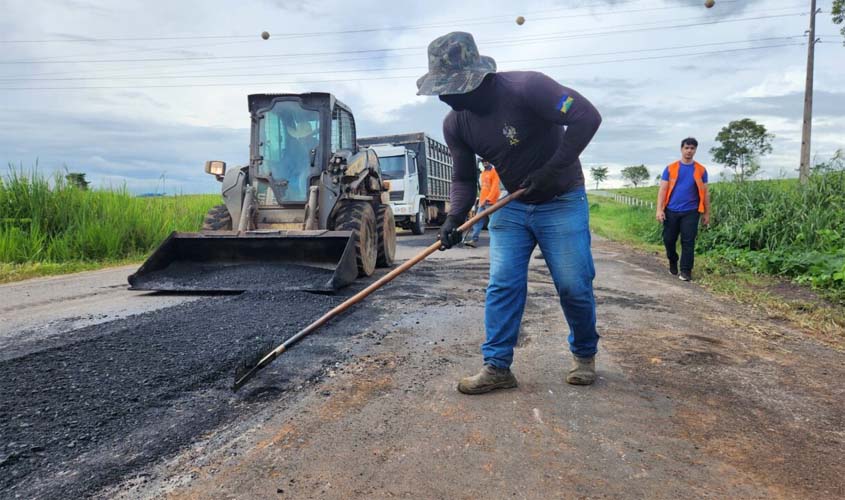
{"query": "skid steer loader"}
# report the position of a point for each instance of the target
(309, 202)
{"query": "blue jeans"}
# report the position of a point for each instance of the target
(476, 229)
(561, 228)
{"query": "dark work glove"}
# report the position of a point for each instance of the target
(540, 186)
(449, 234)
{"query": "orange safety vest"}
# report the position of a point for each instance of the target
(489, 187)
(697, 175)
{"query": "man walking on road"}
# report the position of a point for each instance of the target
(682, 199)
(486, 198)
(516, 121)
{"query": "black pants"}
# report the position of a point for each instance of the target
(685, 224)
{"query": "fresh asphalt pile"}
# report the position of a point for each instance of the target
(96, 404)
(198, 276)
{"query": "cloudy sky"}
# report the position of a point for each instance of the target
(141, 93)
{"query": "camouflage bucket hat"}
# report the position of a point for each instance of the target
(454, 66)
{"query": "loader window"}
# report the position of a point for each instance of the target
(343, 130)
(288, 133)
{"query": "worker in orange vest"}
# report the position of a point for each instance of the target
(683, 199)
(488, 196)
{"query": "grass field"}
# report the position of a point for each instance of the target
(767, 227)
(762, 233)
(49, 227)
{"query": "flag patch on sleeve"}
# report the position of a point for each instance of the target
(565, 103)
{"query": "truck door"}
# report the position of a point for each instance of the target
(412, 182)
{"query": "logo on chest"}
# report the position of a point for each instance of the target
(510, 134)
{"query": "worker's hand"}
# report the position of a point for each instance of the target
(449, 234)
(706, 218)
(660, 216)
(540, 186)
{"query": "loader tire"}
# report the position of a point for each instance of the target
(358, 217)
(217, 219)
(386, 231)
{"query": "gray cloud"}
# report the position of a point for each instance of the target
(111, 149)
(135, 134)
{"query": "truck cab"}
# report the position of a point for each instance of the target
(399, 168)
(419, 169)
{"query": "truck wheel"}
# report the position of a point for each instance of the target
(386, 230)
(217, 219)
(358, 217)
(418, 224)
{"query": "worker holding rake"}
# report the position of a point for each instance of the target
(533, 129)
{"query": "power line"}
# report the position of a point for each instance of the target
(354, 70)
(393, 77)
(508, 21)
(503, 18)
(313, 61)
(566, 36)
(560, 35)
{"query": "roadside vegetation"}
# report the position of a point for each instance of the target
(49, 225)
(762, 233)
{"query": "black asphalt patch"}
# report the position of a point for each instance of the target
(106, 400)
(198, 276)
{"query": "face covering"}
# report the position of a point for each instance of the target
(458, 102)
(477, 101)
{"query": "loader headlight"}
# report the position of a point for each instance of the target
(215, 167)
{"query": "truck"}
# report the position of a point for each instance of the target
(418, 169)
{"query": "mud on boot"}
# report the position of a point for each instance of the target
(583, 371)
(488, 379)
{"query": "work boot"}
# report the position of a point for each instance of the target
(488, 379)
(685, 276)
(673, 267)
(583, 371)
(470, 243)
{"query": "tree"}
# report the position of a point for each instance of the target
(77, 180)
(742, 142)
(838, 12)
(599, 174)
(635, 174)
(835, 163)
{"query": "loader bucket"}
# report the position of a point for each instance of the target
(226, 261)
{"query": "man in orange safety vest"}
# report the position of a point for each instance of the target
(488, 196)
(682, 200)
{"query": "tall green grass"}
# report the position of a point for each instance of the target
(780, 227)
(775, 227)
(46, 220)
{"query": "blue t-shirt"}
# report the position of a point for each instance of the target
(685, 194)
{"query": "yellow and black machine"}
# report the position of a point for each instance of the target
(309, 198)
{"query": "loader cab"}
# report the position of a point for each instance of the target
(293, 138)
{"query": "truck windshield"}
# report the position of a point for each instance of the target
(392, 167)
(288, 133)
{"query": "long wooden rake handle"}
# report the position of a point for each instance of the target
(358, 297)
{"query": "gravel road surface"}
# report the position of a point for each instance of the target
(110, 393)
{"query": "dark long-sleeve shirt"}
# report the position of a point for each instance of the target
(532, 123)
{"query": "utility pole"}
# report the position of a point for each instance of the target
(804, 172)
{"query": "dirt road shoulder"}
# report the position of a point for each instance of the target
(697, 397)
